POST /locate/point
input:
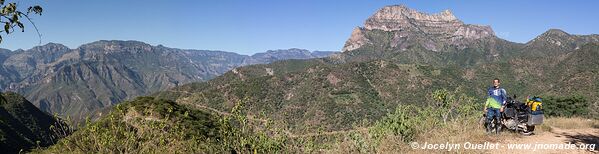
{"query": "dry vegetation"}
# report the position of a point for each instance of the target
(449, 117)
(569, 123)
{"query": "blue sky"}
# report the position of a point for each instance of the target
(248, 27)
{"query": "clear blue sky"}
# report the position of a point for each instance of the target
(247, 27)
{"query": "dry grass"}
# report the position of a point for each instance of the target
(569, 123)
(459, 132)
(464, 131)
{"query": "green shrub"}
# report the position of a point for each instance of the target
(236, 133)
(409, 120)
(149, 125)
(566, 106)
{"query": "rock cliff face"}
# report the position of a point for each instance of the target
(409, 27)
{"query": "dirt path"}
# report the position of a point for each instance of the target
(550, 142)
(291, 135)
(249, 117)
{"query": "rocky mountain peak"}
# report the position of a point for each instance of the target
(280, 54)
(552, 35)
(555, 32)
(397, 17)
(51, 46)
(401, 13)
(438, 29)
(116, 45)
(292, 50)
(561, 41)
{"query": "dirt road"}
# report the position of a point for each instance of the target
(556, 141)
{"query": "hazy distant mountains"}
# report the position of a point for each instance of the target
(99, 74)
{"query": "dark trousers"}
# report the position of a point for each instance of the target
(493, 112)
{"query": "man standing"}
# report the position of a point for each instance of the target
(495, 103)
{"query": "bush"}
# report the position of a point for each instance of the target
(408, 121)
(149, 125)
(566, 106)
(238, 135)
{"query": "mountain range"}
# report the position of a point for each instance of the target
(400, 56)
(76, 82)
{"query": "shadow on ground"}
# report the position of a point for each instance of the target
(584, 139)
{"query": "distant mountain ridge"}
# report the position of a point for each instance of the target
(99, 74)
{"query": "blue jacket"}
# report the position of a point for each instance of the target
(498, 94)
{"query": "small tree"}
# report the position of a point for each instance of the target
(11, 17)
(566, 106)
